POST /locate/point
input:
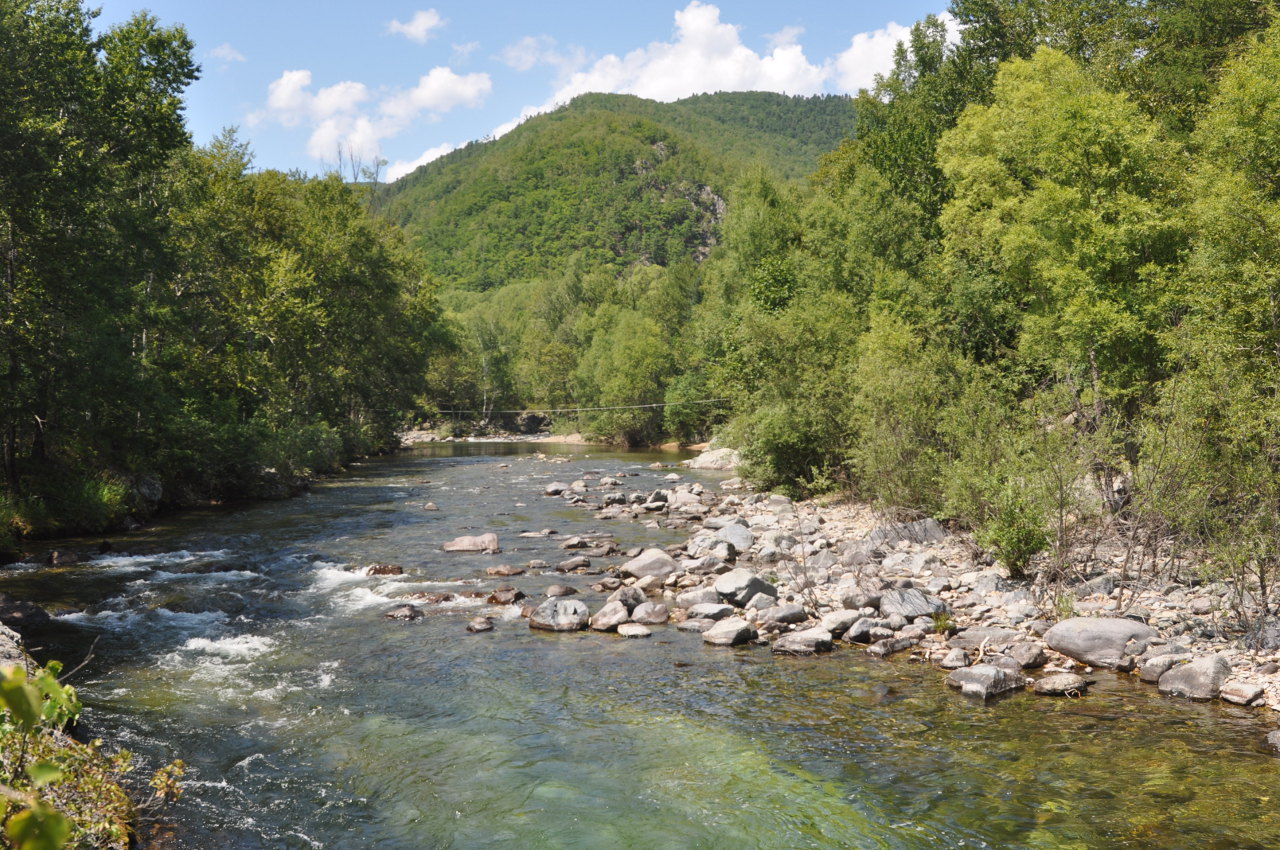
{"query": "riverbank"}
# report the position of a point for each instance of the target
(805, 578)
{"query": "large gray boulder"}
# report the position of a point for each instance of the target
(1156, 666)
(629, 596)
(650, 562)
(985, 680)
(716, 459)
(650, 614)
(786, 614)
(697, 596)
(11, 654)
(807, 642)
(738, 586)
(838, 622)
(1100, 641)
(560, 615)
(738, 536)
(710, 611)
(910, 603)
(1062, 685)
(730, 632)
(1201, 679)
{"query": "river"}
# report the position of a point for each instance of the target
(240, 641)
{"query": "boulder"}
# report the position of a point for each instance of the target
(885, 647)
(737, 536)
(560, 590)
(838, 622)
(650, 562)
(480, 624)
(21, 615)
(807, 642)
(633, 630)
(1100, 641)
(697, 596)
(609, 617)
(505, 570)
(730, 632)
(404, 612)
(505, 595)
(955, 659)
(486, 543)
(629, 596)
(1029, 655)
(382, 570)
(984, 681)
(737, 587)
(787, 614)
(994, 638)
(722, 460)
(555, 488)
(1062, 685)
(560, 615)
(710, 611)
(1241, 693)
(860, 631)
(1200, 679)
(694, 625)
(11, 654)
(650, 614)
(910, 603)
(1157, 665)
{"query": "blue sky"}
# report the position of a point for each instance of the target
(407, 82)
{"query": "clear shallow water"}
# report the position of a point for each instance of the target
(239, 641)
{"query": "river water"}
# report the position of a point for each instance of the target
(241, 642)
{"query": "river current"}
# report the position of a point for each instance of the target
(242, 641)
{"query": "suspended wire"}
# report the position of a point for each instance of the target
(588, 409)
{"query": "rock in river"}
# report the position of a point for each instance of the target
(1100, 641)
(650, 562)
(404, 612)
(487, 543)
(984, 680)
(609, 617)
(560, 615)
(1062, 685)
(738, 586)
(730, 632)
(807, 642)
(1201, 679)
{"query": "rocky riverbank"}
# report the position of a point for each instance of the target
(802, 578)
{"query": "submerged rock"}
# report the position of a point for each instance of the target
(633, 630)
(1062, 685)
(486, 543)
(480, 624)
(404, 612)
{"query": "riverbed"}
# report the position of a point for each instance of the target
(243, 642)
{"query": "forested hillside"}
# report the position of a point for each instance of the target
(615, 179)
(1035, 293)
(176, 327)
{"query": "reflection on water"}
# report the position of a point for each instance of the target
(240, 641)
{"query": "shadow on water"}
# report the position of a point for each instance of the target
(241, 641)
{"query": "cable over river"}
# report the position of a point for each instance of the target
(245, 642)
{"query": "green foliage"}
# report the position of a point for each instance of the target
(1015, 532)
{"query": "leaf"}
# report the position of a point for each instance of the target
(38, 828)
(43, 773)
(23, 702)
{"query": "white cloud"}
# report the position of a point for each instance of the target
(227, 53)
(871, 53)
(532, 51)
(402, 167)
(785, 37)
(420, 27)
(440, 90)
(339, 118)
(462, 52)
(706, 55)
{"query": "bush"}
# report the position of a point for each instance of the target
(1015, 533)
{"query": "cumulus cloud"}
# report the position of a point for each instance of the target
(339, 117)
(705, 55)
(871, 53)
(402, 167)
(227, 53)
(785, 37)
(532, 51)
(438, 91)
(419, 28)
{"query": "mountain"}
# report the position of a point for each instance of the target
(612, 179)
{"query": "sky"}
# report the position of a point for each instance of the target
(312, 85)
